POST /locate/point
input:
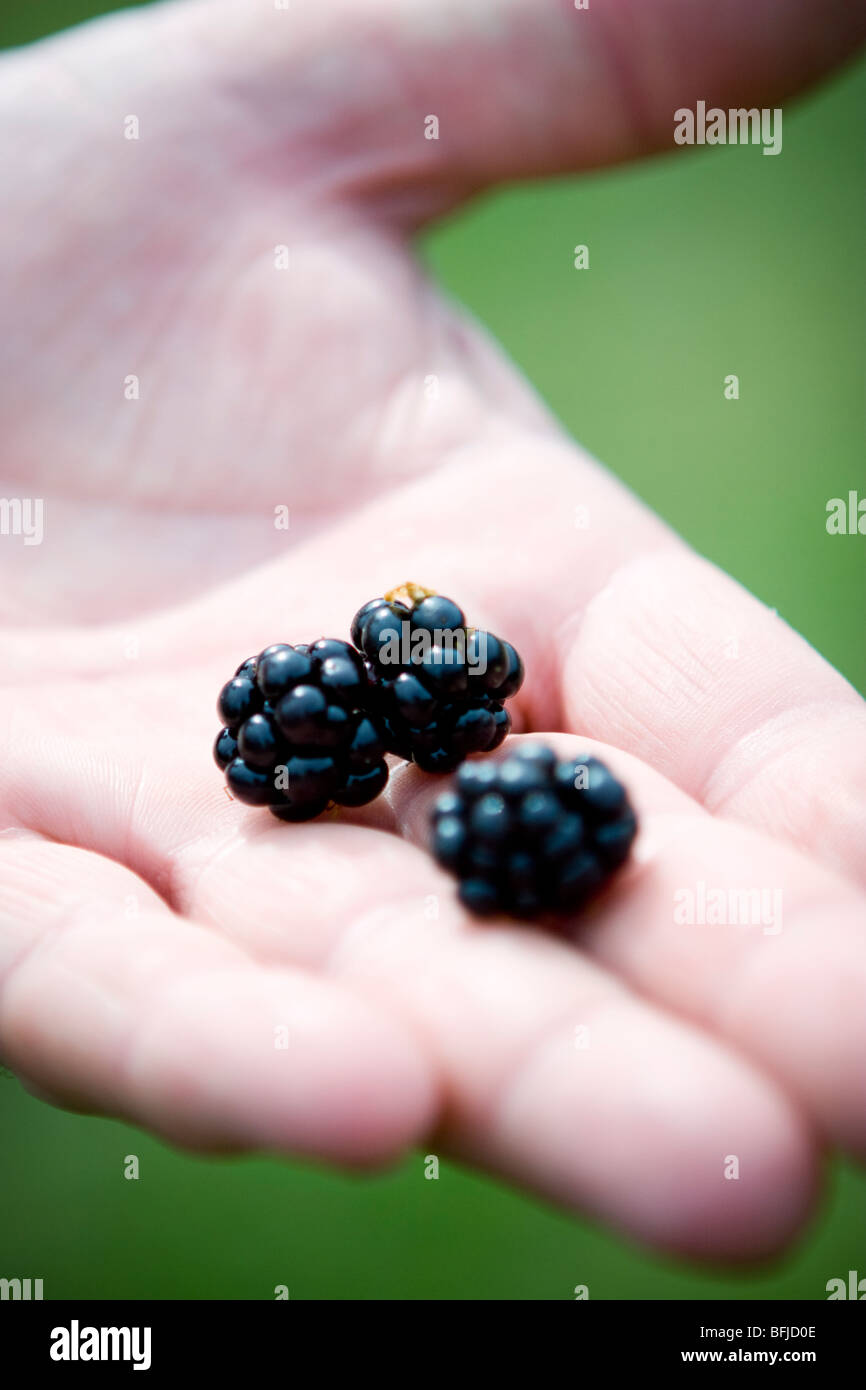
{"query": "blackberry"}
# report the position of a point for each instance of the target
(298, 731)
(437, 687)
(532, 835)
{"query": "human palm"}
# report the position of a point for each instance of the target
(170, 389)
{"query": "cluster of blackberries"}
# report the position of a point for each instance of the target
(532, 834)
(299, 732)
(438, 687)
(305, 726)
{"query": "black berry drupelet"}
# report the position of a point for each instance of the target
(298, 731)
(437, 686)
(532, 834)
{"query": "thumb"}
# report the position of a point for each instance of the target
(516, 87)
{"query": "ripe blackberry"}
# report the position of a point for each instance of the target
(437, 686)
(532, 834)
(298, 731)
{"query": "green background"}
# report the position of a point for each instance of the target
(717, 262)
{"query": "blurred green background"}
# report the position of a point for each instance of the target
(717, 262)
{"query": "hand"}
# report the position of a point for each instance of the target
(155, 935)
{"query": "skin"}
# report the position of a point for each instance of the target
(153, 934)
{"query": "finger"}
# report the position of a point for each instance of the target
(564, 88)
(109, 1002)
(737, 934)
(633, 1128)
(675, 662)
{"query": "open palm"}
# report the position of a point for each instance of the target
(219, 324)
